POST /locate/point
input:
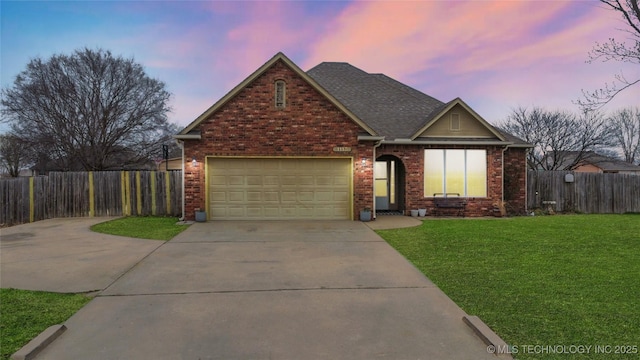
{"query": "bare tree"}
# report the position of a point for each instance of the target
(624, 127)
(562, 140)
(14, 156)
(89, 109)
(616, 51)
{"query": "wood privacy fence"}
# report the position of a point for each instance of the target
(82, 194)
(588, 193)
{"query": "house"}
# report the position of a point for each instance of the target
(330, 142)
(590, 161)
(173, 163)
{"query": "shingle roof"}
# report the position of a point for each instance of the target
(392, 109)
(603, 162)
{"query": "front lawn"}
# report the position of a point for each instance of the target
(544, 280)
(25, 314)
(144, 227)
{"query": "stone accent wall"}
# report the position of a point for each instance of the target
(250, 125)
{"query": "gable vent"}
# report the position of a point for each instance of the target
(454, 122)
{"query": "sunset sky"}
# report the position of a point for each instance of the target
(495, 55)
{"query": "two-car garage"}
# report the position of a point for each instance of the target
(282, 188)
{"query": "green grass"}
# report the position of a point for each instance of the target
(544, 280)
(25, 314)
(154, 228)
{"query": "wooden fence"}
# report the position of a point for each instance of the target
(82, 194)
(589, 193)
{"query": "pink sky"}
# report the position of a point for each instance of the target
(495, 55)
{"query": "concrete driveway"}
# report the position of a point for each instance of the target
(63, 255)
(270, 290)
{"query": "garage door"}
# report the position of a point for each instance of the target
(279, 188)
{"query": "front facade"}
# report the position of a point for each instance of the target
(326, 144)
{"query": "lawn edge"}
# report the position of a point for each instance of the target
(494, 342)
(39, 343)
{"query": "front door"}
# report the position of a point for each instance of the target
(385, 185)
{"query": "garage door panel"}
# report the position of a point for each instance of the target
(289, 196)
(254, 197)
(254, 180)
(279, 188)
(305, 196)
(288, 211)
(255, 212)
(324, 180)
(235, 196)
(218, 180)
(304, 212)
(218, 196)
(303, 180)
(271, 196)
(340, 180)
(324, 196)
(272, 180)
(341, 196)
(235, 180)
(290, 180)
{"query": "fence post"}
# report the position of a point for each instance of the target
(153, 193)
(167, 180)
(31, 201)
(92, 204)
(138, 194)
(126, 193)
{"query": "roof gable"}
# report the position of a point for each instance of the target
(188, 131)
(472, 125)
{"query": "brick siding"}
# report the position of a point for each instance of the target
(412, 158)
(515, 180)
(250, 125)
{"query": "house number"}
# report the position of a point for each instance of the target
(342, 149)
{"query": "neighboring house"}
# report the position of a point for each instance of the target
(328, 143)
(174, 163)
(593, 162)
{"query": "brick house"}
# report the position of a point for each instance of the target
(328, 143)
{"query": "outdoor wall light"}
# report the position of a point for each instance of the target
(364, 161)
(194, 163)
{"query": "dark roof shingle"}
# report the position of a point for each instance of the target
(392, 109)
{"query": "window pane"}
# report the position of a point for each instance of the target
(454, 171)
(433, 172)
(392, 182)
(381, 187)
(477, 173)
(380, 169)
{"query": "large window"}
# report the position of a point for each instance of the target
(462, 172)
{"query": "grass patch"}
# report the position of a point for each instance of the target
(544, 280)
(25, 314)
(148, 227)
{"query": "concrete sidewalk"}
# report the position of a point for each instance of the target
(284, 290)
